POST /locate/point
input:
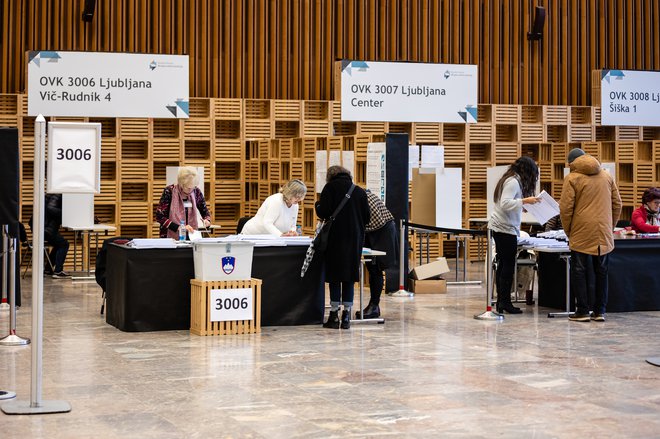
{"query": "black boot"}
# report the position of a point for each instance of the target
(508, 307)
(345, 319)
(333, 320)
(370, 312)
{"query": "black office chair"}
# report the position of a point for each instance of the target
(241, 223)
(101, 262)
(623, 223)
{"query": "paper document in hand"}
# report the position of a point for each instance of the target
(544, 210)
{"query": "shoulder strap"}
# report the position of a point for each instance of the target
(343, 202)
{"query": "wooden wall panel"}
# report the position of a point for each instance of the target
(285, 49)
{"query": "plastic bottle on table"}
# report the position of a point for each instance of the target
(299, 230)
(182, 231)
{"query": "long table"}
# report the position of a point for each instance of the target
(149, 289)
(633, 281)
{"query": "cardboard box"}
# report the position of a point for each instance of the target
(433, 269)
(434, 286)
(423, 198)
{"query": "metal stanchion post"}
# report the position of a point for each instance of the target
(489, 314)
(12, 339)
(36, 405)
(5, 297)
(402, 255)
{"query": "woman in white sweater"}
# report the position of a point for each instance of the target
(278, 214)
(513, 190)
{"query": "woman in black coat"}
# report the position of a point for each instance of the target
(344, 251)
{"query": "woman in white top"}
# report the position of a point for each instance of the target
(278, 214)
(513, 190)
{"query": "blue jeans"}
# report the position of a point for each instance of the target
(342, 292)
(582, 289)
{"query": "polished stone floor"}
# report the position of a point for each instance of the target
(430, 371)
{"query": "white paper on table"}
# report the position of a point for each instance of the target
(195, 235)
(544, 210)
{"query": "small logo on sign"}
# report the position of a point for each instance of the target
(228, 264)
(152, 65)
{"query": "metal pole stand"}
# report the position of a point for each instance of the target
(36, 406)
(489, 314)
(4, 306)
(401, 292)
(567, 261)
(12, 339)
(654, 361)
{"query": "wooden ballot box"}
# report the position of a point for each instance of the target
(225, 307)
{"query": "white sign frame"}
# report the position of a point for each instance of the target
(629, 97)
(408, 92)
(107, 84)
(69, 168)
(231, 294)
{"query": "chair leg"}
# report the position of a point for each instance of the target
(103, 303)
(28, 264)
(50, 263)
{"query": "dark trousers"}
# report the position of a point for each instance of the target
(582, 289)
(375, 282)
(342, 292)
(58, 252)
(506, 247)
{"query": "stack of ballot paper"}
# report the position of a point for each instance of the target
(153, 243)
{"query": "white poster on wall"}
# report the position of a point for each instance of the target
(408, 92)
(413, 160)
(630, 97)
(348, 161)
(321, 170)
(448, 198)
(376, 163)
(74, 158)
(92, 84)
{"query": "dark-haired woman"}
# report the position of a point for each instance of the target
(646, 218)
(515, 189)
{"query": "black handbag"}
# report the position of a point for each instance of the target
(320, 242)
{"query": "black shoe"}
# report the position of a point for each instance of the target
(48, 272)
(370, 312)
(333, 320)
(578, 317)
(598, 317)
(345, 319)
(509, 308)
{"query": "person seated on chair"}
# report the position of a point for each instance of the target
(380, 235)
(278, 214)
(181, 203)
(59, 244)
(646, 218)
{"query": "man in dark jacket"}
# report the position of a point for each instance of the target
(52, 236)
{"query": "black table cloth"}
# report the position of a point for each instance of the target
(633, 281)
(149, 289)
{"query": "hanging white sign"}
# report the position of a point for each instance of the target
(92, 84)
(74, 158)
(630, 97)
(408, 92)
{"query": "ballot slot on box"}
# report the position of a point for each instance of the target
(216, 260)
